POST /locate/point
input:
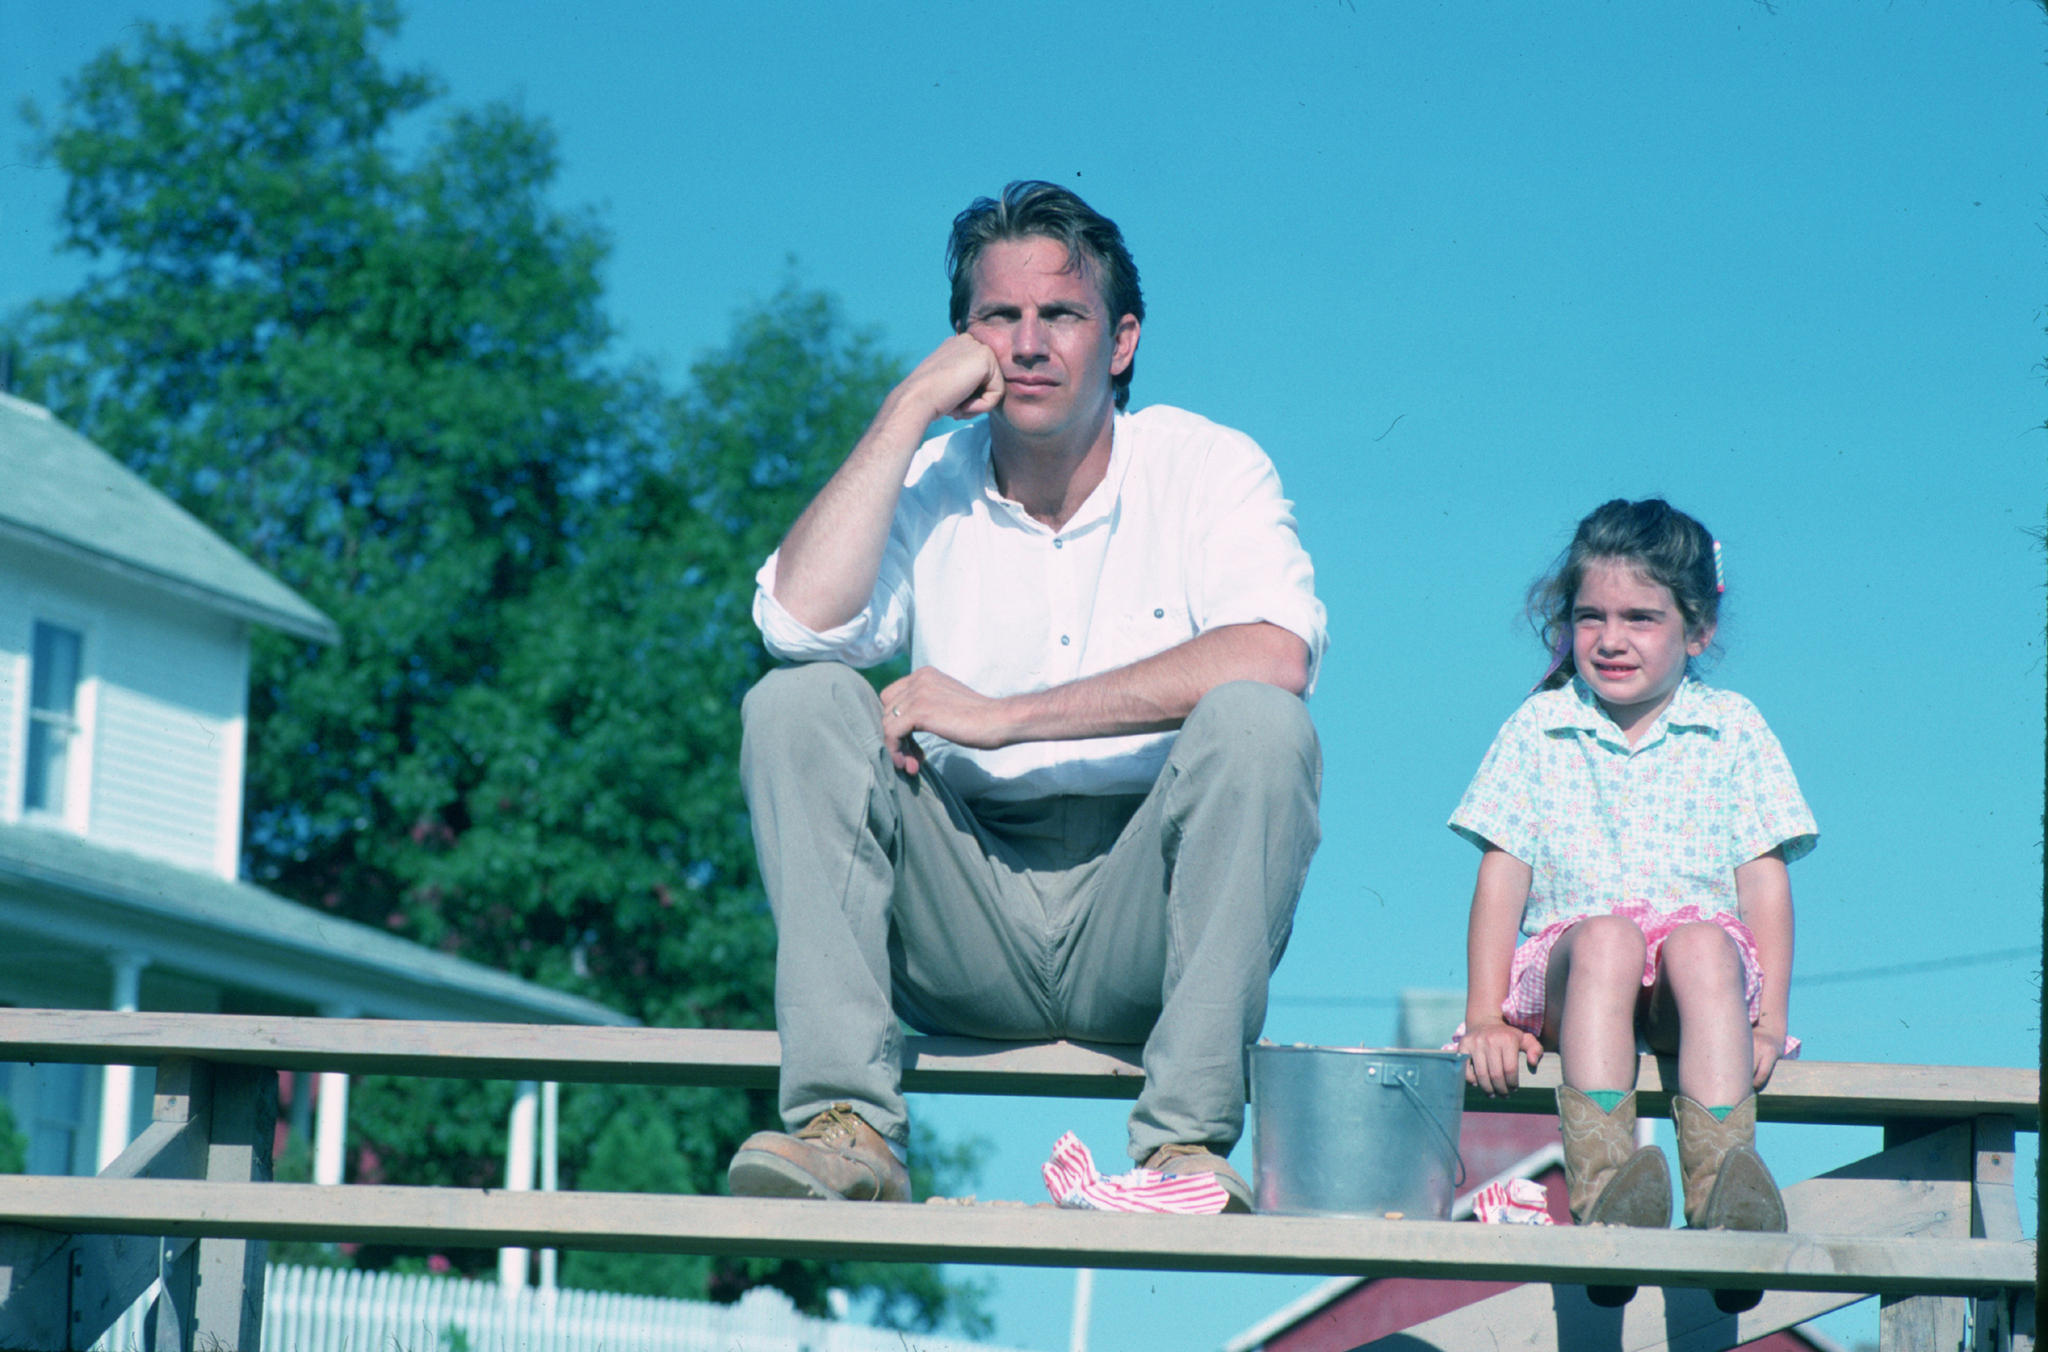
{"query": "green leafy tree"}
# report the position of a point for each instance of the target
(383, 379)
(582, 822)
(388, 378)
(13, 1144)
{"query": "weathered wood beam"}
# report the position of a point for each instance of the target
(1909, 1323)
(164, 1150)
(23, 1249)
(69, 1289)
(718, 1058)
(1810, 1091)
(1996, 1213)
(1913, 1189)
(961, 1065)
(1028, 1236)
(213, 1123)
(227, 1303)
(64, 1290)
(1843, 1093)
(486, 1051)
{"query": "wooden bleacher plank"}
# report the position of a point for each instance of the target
(960, 1065)
(569, 1053)
(573, 1054)
(1846, 1093)
(1029, 1236)
(1809, 1091)
(1920, 1188)
(1925, 1270)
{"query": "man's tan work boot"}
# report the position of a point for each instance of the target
(1610, 1180)
(1180, 1159)
(1727, 1186)
(836, 1156)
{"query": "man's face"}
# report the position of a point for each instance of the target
(1051, 332)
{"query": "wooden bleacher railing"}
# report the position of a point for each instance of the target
(1930, 1224)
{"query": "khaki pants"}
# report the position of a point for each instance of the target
(1154, 918)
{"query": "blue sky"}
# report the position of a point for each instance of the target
(1465, 272)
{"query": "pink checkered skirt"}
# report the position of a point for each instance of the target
(1530, 971)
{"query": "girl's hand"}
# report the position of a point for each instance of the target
(1492, 1050)
(1765, 893)
(1768, 1047)
(1490, 1041)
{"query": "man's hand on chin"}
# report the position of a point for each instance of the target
(960, 379)
(928, 700)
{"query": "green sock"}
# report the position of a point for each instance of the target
(1610, 1099)
(1721, 1114)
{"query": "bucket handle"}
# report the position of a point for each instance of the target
(1443, 1137)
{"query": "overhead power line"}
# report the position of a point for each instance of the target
(1916, 968)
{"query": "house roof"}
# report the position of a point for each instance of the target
(61, 891)
(68, 495)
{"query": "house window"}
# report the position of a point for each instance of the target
(52, 716)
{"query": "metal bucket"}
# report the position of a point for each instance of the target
(1355, 1131)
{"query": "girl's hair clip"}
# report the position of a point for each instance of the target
(1720, 582)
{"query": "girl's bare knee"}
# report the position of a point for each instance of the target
(1701, 956)
(1607, 948)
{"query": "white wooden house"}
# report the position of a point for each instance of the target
(124, 662)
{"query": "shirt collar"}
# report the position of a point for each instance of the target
(1579, 710)
(1100, 504)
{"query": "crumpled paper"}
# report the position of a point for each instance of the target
(1073, 1180)
(1518, 1201)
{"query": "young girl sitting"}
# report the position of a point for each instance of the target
(1636, 825)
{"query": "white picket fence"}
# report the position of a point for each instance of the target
(346, 1310)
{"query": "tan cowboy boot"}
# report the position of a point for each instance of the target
(1180, 1160)
(836, 1156)
(1610, 1180)
(1727, 1186)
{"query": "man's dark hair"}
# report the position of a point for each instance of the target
(1030, 208)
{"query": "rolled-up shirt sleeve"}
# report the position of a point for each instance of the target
(1248, 562)
(876, 634)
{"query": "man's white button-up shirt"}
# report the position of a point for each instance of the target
(1187, 532)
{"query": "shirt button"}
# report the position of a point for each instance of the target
(1159, 614)
(1064, 640)
(1059, 544)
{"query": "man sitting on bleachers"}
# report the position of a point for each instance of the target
(1088, 811)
